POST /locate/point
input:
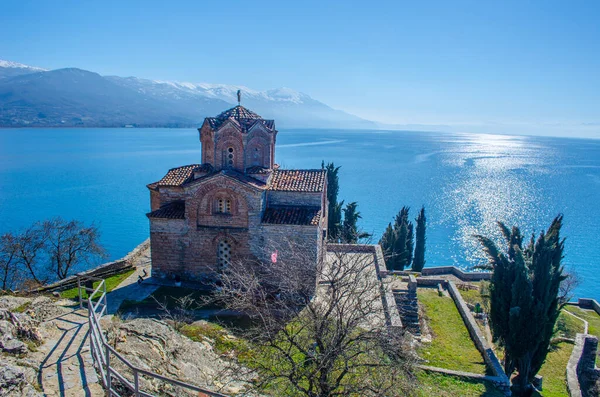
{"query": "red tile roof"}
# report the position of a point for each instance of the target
(292, 215)
(245, 118)
(173, 210)
(176, 176)
(309, 181)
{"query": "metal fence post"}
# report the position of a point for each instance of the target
(79, 290)
(108, 380)
(136, 382)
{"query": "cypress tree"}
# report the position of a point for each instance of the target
(334, 213)
(410, 244)
(387, 246)
(524, 298)
(350, 233)
(397, 241)
(419, 257)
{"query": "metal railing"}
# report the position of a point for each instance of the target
(103, 353)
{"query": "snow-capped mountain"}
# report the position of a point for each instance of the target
(11, 69)
(32, 96)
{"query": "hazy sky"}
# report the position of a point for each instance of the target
(471, 64)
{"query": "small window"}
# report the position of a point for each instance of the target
(224, 206)
(230, 157)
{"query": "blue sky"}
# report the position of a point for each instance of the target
(512, 66)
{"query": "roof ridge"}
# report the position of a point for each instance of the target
(301, 169)
(183, 166)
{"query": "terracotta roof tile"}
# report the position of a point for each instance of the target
(174, 210)
(245, 118)
(292, 215)
(310, 181)
(238, 112)
(177, 176)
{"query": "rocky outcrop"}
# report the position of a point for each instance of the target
(155, 346)
(18, 331)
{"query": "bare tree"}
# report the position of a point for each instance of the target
(9, 269)
(319, 327)
(69, 244)
(29, 245)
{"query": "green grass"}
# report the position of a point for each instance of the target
(111, 283)
(22, 308)
(554, 368)
(433, 384)
(553, 371)
(222, 341)
(472, 296)
(451, 347)
(590, 316)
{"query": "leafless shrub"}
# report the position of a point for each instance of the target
(319, 327)
(179, 314)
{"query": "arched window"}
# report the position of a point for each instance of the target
(223, 254)
(224, 206)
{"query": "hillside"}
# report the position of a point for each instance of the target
(34, 97)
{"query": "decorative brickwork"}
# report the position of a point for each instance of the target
(236, 205)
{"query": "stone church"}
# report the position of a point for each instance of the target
(236, 205)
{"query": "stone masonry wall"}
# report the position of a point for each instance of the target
(188, 247)
(292, 242)
(294, 198)
(465, 276)
(477, 336)
(581, 369)
(587, 303)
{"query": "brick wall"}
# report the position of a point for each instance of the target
(294, 198)
(292, 242)
(188, 247)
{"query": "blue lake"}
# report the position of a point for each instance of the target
(465, 181)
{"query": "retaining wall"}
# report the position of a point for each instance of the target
(481, 343)
(104, 270)
(464, 276)
(445, 271)
(581, 369)
(587, 303)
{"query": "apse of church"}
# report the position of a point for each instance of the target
(237, 204)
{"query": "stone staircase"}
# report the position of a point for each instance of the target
(406, 300)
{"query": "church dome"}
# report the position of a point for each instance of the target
(239, 113)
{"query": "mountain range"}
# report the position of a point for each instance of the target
(71, 97)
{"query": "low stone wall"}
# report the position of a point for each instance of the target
(445, 271)
(587, 303)
(496, 380)
(104, 270)
(430, 282)
(481, 343)
(581, 369)
(455, 271)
